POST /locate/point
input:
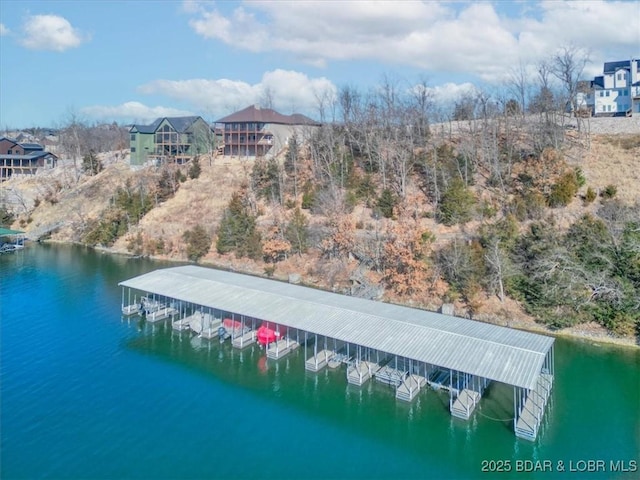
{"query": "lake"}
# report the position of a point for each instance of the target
(86, 393)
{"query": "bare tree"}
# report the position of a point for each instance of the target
(567, 66)
(266, 99)
(519, 85)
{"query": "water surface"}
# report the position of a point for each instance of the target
(88, 394)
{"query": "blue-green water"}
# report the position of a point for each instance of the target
(87, 394)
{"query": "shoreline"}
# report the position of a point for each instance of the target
(596, 338)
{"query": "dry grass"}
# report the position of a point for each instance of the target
(612, 160)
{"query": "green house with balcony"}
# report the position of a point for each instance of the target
(171, 140)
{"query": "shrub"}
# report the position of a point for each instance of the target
(134, 244)
(386, 203)
(195, 169)
(308, 198)
(590, 196)
(609, 191)
(563, 191)
(113, 224)
(6, 216)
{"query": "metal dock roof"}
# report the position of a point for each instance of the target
(498, 353)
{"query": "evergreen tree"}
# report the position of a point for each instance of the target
(238, 231)
(198, 242)
(386, 203)
(457, 204)
(91, 164)
(195, 169)
(297, 232)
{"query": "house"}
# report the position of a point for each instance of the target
(255, 131)
(171, 139)
(23, 158)
(616, 92)
(26, 164)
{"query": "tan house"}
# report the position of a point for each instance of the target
(262, 132)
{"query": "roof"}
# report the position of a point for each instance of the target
(497, 353)
(257, 114)
(6, 231)
(32, 146)
(9, 140)
(179, 124)
(611, 67)
(28, 156)
(598, 81)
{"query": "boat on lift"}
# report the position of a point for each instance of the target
(267, 335)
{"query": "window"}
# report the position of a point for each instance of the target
(619, 76)
(133, 149)
(607, 93)
(10, 152)
(624, 93)
(608, 108)
(601, 93)
(133, 137)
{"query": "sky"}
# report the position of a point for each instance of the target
(131, 61)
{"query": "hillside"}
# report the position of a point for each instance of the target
(411, 242)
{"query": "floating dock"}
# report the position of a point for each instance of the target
(281, 348)
(359, 372)
(404, 347)
(319, 361)
(161, 314)
(409, 387)
(243, 338)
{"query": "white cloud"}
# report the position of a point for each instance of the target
(132, 112)
(471, 38)
(3, 30)
(50, 32)
(289, 91)
(450, 92)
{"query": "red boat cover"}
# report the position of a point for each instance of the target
(230, 324)
(266, 335)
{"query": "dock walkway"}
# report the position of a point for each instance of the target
(531, 414)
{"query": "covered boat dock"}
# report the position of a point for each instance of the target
(404, 347)
(11, 240)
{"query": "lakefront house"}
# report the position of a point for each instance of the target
(171, 140)
(262, 132)
(23, 158)
(614, 93)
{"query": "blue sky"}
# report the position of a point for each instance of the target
(135, 60)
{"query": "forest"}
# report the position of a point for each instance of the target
(393, 198)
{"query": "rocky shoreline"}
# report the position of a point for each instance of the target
(591, 332)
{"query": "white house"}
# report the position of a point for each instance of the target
(617, 91)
